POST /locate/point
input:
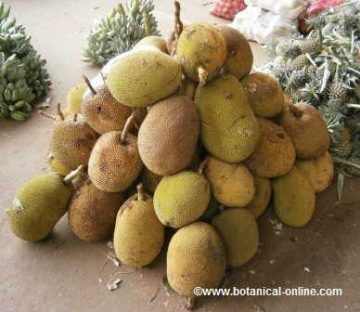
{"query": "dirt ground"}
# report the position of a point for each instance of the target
(66, 274)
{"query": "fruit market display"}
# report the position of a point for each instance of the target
(23, 76)
(187, 139)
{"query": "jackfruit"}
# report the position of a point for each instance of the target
(154, 76)
(58, 167)
(138, 235)
(39, 205)
(72, 141)
(201, 49)
(150, 180)
(155, 42)
(239, 59)
(103, 113)
(319, 171)
(195, 258)
(294, 198)
(168, 136)
(115, 162)
(306, 129)
(261, 198)
(274, 155)
(74, 98)
(181, 198)
(92, 213)
(229, 129)
(238, 230)
(265, 95)
(231, 184)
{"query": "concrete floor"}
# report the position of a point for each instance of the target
(66, 274)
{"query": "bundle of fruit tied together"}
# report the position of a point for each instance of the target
(179, 135)
(323, 69)
(23, 77)
(120, 30)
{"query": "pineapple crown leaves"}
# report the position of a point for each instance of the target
(120, 30)
(23, 77)
(332, 76)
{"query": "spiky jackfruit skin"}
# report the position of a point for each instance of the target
(264, 93)
(232, 184)
(150, 180)
(156, 42)
(294, 198)
(138, 235)
(74, 98)
(229, 129)
(181, 198)
(261, 198)
(274, 155)
(38, 206)
(201, 45)
(103, 113)
(92, 213)
(306, 129)
(72, 141)
(238, 230)
(114, 166)
(319, 171)
(168, 136)
(154, 76)
(239, 59)
(195, 258)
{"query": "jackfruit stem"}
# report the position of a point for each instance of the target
(202, 165)
(46, 115)
(140, 192)
(203, 75)
(296, 111)
(74, 174)
(88, 83)
(178, 27)
(60, 113)
(75, 117)
(190, 304)
(126, 129)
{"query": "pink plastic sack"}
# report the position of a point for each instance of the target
(320, 5)
(227, 8)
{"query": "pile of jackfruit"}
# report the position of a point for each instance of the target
(180, 135)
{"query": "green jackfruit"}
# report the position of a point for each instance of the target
(239, 231)
(181, 198)
(201, 49)
(239, 59)
(138, 235)
(229, 129)
(195, 258)
(39, 205)
(143, 77)
(261, 198)
(294, 198)
(231, 184)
